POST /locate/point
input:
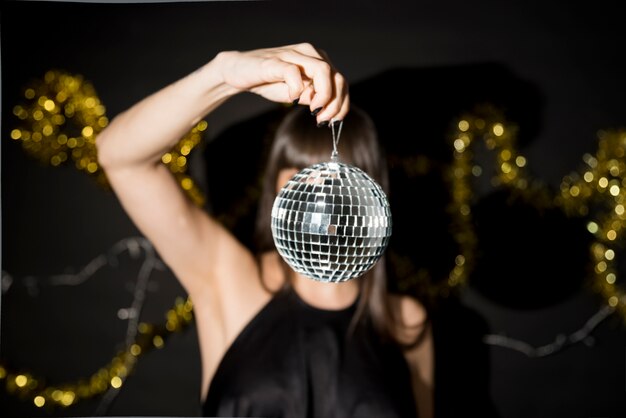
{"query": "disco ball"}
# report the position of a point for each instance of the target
(331, 222)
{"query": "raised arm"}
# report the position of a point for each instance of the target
(195, 246)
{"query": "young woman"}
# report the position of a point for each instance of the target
(273, 342)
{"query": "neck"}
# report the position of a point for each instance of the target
(332, 296)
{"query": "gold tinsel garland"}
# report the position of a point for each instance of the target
(35, 388)
(602, 184)
(483, 124)
(59, 120)
(601, 192)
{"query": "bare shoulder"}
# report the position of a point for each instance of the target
(409, 309)
(415, 333)
(411, 317)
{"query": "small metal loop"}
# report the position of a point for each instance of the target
(336, 135)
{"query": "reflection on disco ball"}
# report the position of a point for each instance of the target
(331, 222)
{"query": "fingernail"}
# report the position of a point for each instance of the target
(322, 124)
(316, 111)
(295, 102)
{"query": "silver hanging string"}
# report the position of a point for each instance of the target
(336, 135)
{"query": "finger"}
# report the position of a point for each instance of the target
(306, 48)
(293, 79)
(288, 73)
(340, 85)
(307, 94)
(333, 108)
(319, 71)
(278, 92)
(345, 108)
(324, 56)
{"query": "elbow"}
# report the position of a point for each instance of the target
(105, 147)
(102, 152)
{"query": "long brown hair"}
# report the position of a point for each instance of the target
(298, 143)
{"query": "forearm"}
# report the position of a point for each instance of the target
(143, 133)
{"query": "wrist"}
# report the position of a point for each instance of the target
(215, 72)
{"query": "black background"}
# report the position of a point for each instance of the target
(555, 68)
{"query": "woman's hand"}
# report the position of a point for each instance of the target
(286, 74)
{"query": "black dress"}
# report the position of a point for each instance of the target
(293, 360)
